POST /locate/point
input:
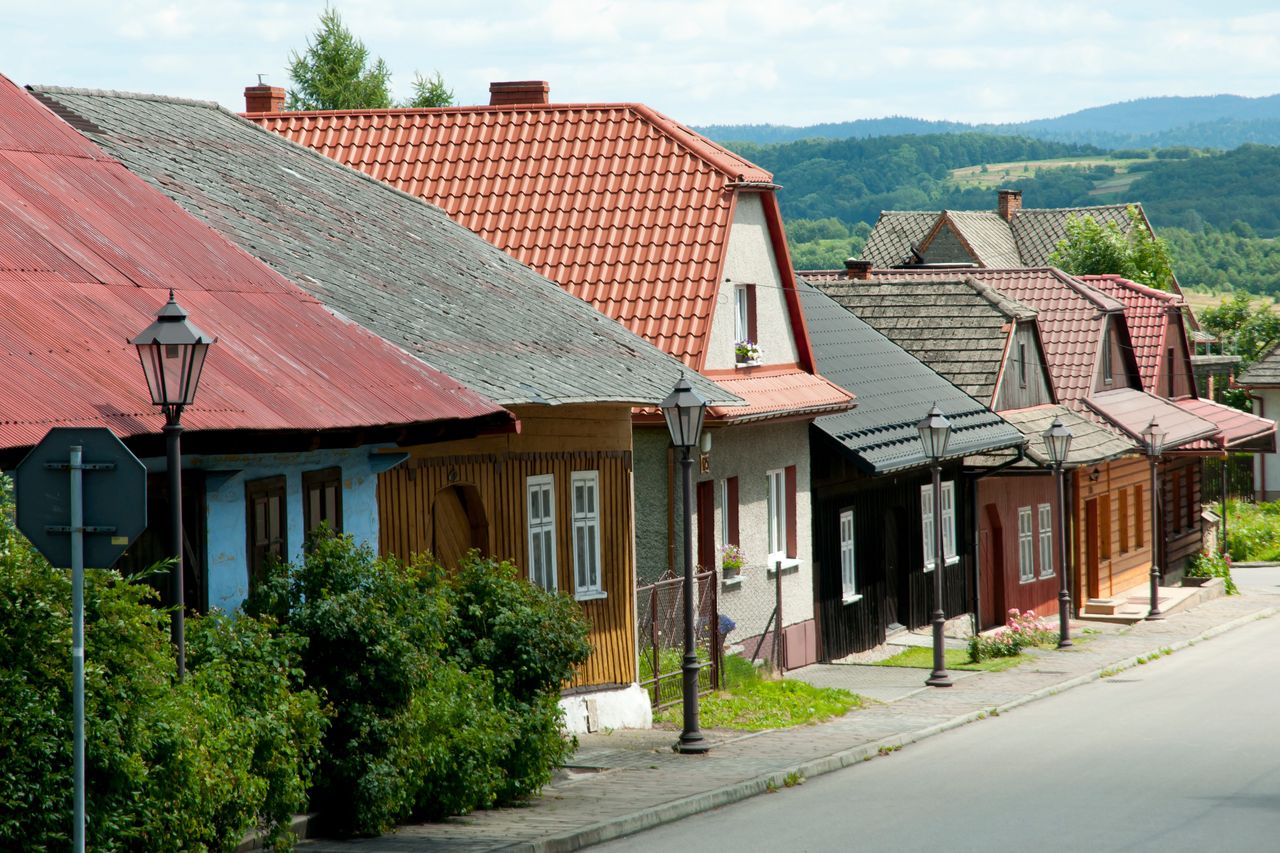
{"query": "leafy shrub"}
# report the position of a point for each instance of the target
(1209, 564)
(1020, 631)
(1253, 531)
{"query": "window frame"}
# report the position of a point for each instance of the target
(848, 555)
(1044, 519)
(544, 525)
(1026, 547)
(1108, 369)
(317, 480)
(587, 521)
(256, 556)
(948, 518)
(776, 515)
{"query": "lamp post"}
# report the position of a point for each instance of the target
(172, 353)
(1057, 441)
(684, 409)
(935, 432)
(1154, 436)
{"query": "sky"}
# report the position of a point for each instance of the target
(701, 61)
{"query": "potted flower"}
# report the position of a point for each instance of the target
(747, 352)
(732, 559)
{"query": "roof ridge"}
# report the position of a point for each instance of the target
(1007, 305)
(1137, 287)
(114, 93)
(459, 108)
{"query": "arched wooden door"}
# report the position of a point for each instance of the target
(458, 524)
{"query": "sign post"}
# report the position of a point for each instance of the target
(46, 496)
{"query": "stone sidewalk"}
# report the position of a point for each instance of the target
(627, 781)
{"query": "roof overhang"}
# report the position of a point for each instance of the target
(1132, 410)
(1238, 431)
(1092, 443)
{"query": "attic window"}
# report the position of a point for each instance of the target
(744, 322)
(1107, 374)
(1022, 365)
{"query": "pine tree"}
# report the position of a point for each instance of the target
(335, 73)
(430, 92)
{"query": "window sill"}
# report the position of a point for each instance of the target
(732, 582)
(592, 595)
(851, 599)
(740, 364)
(789, 566)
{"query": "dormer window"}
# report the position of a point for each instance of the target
(745, 340)
(1107, 374)
(1022, 365)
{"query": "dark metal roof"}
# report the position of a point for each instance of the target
(88, 254)
(894, 391)
(390, 262)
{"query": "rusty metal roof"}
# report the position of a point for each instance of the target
(622, 206)
(88, 254)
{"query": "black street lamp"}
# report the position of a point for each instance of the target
(935, 432)
(172, 353)
(1154, 437)
(684, 409)
(1057, 441)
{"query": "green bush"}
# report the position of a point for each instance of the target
(189, 766)
(1253, 531)
(1020, 631)
(1208, 564)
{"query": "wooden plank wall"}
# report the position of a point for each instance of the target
(1005, 494)
(556, 441)
(1124, 570)
(1180, 484)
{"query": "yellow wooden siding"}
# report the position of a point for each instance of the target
(556, 441)
(1124, 570)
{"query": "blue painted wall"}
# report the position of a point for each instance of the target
(227, 558)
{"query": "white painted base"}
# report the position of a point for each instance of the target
(623, 708)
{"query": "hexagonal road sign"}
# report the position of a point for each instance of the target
(115, 496)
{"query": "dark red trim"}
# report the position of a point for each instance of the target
(799, 329)
(753, 331)
(707, 525)
(792, 538)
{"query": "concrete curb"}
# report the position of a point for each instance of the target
(728, 794)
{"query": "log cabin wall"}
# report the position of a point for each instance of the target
(1181, 507)
(999, 550)
(419, 499)
(1114, 510)
(888, 549)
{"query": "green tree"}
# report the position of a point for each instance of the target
(1245, 327)
(1091, 248)
(430, 92)
(335, 72)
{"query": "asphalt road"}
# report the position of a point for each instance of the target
(1180, 754)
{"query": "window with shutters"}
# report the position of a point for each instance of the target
(776, 506)
(266, 526)
(1188, 501)
(540, 507)
(1026, 546)
(322, 499)
(1045, 512)
(1139, 527)
(586, 535)
(948, 521)
(1124, 521)
(848, 577)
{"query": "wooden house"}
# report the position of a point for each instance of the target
(555, 497)
(872, 485)
(272, 446)
(683, 244)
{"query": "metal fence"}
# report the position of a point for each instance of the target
(660, 624)
(1239, 471)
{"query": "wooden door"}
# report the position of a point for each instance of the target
(458, 524)
(1091, 547)
(991, 568)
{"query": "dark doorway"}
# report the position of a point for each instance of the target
(458, 524)
(895, 572)
(153, 545)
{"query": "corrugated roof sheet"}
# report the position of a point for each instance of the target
(391, 263)
(1146, 311)
(1239, 430)
(1132, 411)
(624, 207)
(894, 391)
(88, 253)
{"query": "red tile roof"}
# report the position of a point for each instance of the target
(621, 205)
(1132, 411)
(1146, 310)
(88, 253)
(776, 393)
(1239, 430)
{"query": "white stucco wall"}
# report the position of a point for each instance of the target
(748, 452)
(749, 259)
(1266, 466)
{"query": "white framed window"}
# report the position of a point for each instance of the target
(726, 535)
(777, 510)
(540, 509)
(948, 523)
(585, 487)
(1045, 512)
(1026, 546)
(741, 314)
(848, 578)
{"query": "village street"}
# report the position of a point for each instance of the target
(1172, 756)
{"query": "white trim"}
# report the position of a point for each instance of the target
(1045, 519)
(1026, 547)
(848, 565)
(776, 515)
(724, 512)
(741, 314)
(584, 506)
(948, 490)
(540, 495)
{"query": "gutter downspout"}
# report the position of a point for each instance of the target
(973, 502)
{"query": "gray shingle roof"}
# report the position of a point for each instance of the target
(386, 260)
(1027, 241)
(1092, 443)
(894, 389)
(1265, 372)
(959, 328)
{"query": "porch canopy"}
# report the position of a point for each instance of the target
(1132, 410)
(1238, 431)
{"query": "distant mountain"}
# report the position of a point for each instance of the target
(1215, 121)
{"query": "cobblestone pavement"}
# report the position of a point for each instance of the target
(627, 781)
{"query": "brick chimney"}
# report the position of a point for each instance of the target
(857, 270)
(518, 93)
(263, 99)
(1010, 203)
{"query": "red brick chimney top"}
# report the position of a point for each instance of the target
(857, 270)
(518, 93)
(263, 99)
(1010, 202)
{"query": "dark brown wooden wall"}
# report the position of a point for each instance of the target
(1181, 507)
(554, 440)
